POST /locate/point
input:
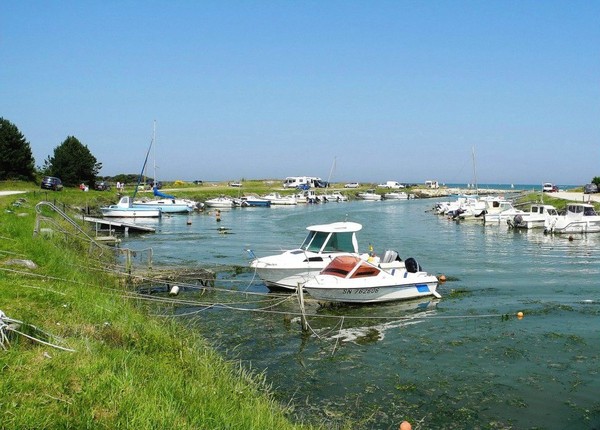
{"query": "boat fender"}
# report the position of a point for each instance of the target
(411, 265)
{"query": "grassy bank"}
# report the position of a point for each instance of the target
(126, 368)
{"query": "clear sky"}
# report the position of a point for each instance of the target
(392, 90)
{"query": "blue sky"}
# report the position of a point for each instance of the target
(392, 90)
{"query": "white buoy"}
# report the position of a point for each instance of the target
(174, 290)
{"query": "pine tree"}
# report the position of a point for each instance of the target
(73, 163)
(16, 159)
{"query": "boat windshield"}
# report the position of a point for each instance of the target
(319, 241)
(344, 265)
(340, 266)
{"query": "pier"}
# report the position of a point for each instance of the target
(112, 225)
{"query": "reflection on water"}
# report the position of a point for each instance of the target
(464, 361)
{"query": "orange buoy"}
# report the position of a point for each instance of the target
(520, 315)
(405, 425)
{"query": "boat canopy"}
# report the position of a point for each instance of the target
(326, 240)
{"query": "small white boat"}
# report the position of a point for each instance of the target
(578, 218)
(498, 211)
(308, 196)
(537, 217)
(221, 202)
(350, 279)
(322, 244)
(124, 209)
(334, 196)
(278, 199)
(370, 195)
(396, 195)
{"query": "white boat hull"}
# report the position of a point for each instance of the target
(333, 289)
(165, 206)
(220, 203)
(130, 213)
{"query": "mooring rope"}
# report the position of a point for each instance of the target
(5, 327)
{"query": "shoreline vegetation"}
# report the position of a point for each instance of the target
(130, 368)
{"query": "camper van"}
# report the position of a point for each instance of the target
(304, 182)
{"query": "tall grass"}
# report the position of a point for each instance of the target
(129, 370)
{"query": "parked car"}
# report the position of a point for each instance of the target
(549, 188)
(51, 183)
(352, 185)
(590, 188)
(102, 186)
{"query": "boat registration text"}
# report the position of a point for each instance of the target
(360, 291)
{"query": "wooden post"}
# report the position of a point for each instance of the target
(301, 302)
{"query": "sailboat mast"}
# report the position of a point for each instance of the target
(154, 184)
(475, 172)
(331, 172)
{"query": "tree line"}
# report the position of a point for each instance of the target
(71, 161)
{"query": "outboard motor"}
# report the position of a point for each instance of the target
(411, 265)
(518, 219)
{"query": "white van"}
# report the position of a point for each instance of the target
(301, 181)
(391, 184)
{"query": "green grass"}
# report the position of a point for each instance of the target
(129, 370)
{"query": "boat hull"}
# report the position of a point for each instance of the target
(130, 213)
(342, 292)
(165, 207)
(577, 227)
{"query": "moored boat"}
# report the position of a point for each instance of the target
(396, 195)
(167, 203)
(578, 218)
(350, 279)
(254, 201)
(278, 199)
(537, 217)
(221, 202)
(124, 209)
(322, 244)
(370, 195)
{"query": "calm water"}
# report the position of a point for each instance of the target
(464, 361)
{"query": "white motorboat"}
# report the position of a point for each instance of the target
(578, 218)
(124, 209)
(221, 202)
(334, 196)
(500, 210)
(350, 279)
(537, 217)
(370, 195)
(278, 199)
(322, 244)
(396, 195)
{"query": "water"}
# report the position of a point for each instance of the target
(464, 361)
